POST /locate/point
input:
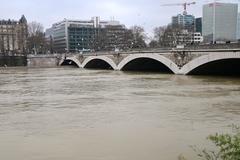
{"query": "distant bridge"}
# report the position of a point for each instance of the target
(218, 61)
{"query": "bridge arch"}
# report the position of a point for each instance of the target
(157, 61)
(215, 63)
(99, 62)
(71, 61)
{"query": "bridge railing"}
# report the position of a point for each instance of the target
(158, 51)
(164, 51)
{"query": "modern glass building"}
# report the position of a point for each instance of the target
(77, 35)
(71, 35)
(186, 21)
(220, 22)
(198, 25)
(81, 38)
(60, 36)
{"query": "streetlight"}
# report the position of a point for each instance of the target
(82, 44)
(78, 47)
(65, 54)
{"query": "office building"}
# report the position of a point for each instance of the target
(80, 35)
(198, 25)
(49, 34)
(115, 37)
(185, 21)
(220, 22)
(238, 28)
(13, 36)
(71, 35)
(197, 37)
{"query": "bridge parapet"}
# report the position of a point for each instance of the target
(178, 61)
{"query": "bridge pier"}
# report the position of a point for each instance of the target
(43, 60)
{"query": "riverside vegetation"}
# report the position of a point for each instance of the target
(227, 147)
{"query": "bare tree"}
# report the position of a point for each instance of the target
(129, 38)
(153, 44)
(169, 36)
(112, 38)
(36, 40)
(139, 37)
(34, 28)
(98, 42)
(158, 34)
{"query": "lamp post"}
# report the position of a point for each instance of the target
(82, 44)
(35, 50)
(80, 52)
(65, 54)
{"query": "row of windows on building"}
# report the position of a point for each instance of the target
(13, 36)
(72, 35)
(220, 22)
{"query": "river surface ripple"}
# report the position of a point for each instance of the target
(76, 114)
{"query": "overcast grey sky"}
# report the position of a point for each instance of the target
(147, 13)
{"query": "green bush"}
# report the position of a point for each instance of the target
(227, 147)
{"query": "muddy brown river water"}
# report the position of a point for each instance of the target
(76, 114)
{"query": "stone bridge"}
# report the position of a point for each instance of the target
(218, 61)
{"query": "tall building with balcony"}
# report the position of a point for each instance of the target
(220, 22)
(79, 35)
(13, 36)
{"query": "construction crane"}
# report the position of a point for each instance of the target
(181, 4)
